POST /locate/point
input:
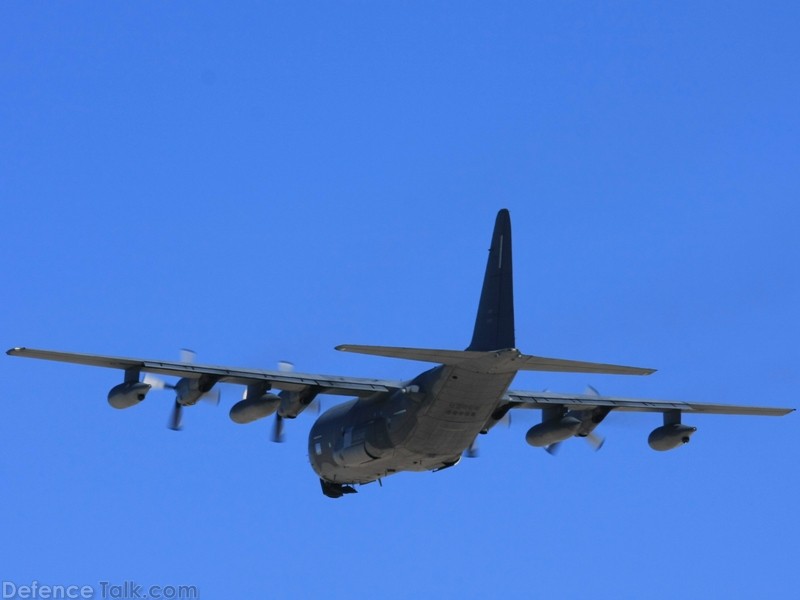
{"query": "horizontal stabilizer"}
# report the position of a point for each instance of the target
(445, 357)
(540, 363)
(507, 360)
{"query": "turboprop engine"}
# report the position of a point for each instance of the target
(189, 390)
(127, 394)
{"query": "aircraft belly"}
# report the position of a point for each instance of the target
(461, 404)
(457, 404)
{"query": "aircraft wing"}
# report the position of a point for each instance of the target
(543, 400)
(324, 384)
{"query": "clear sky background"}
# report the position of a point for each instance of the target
(265, 181)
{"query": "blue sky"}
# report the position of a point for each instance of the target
(265, 181)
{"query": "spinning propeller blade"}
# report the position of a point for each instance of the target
(176, 417)
(595, 441)
(277, 425)
(212, 397)
(552, 449)
(472, 451)
(155, 382)
(277, 429)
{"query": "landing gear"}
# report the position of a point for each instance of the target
(335, 490)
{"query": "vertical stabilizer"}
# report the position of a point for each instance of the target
(494, 325)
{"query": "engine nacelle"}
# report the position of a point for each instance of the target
(552, 431)
(670, 436)
(189, 390)
(293, 403)
(252, 409)
(127, 394)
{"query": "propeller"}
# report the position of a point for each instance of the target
(472, 451)
(277, 429)
(156, 383)
(277, 425)
(213, 396)
(594, 440)
(552, 449)
(176, 416)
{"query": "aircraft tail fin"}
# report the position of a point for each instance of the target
(494, 323)
(493, 347)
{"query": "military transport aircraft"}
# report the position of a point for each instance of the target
(427, 423)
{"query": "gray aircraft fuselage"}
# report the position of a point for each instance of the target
(429, 423)
(426, 426)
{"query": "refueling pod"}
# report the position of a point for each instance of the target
(551, 431)
(668, 437)
(671, 434)
(252, 409)
(127, 394)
